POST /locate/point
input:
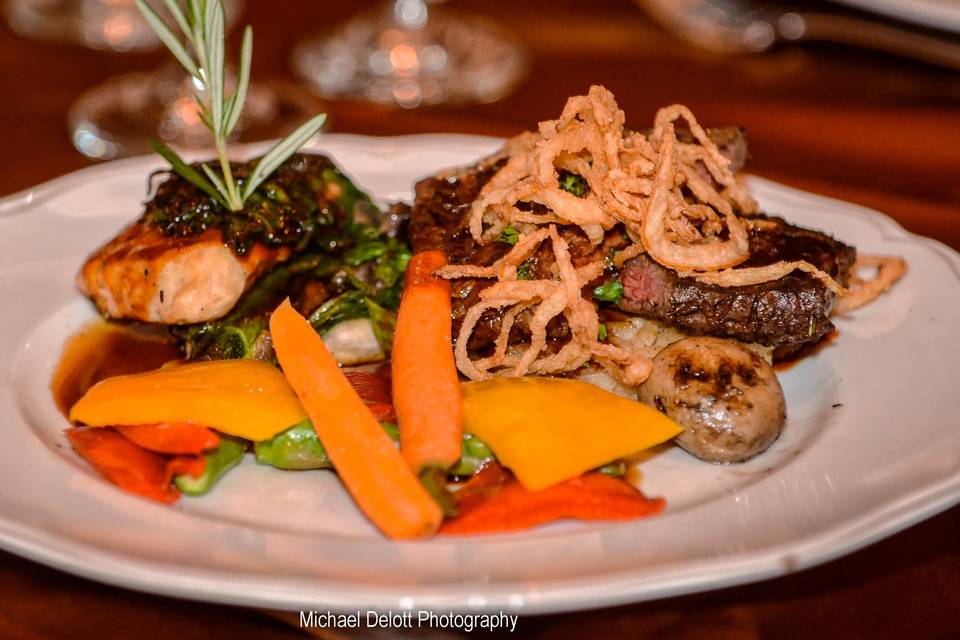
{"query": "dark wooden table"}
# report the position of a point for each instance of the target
(859, 126)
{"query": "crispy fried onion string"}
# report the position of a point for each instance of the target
(545, 300)
(676, 197)
(756, 275)
(889, 269)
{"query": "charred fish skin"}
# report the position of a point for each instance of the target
(189, 260)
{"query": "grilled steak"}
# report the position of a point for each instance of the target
(439, 222)
(785, 313)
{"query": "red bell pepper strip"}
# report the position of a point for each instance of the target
(130, 467)
(493, 502)
(171, 437)
(373, 387)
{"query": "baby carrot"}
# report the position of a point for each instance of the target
(364, 456)
(426, 390)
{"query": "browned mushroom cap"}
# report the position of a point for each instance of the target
(726, 397)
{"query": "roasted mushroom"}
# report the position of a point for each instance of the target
(726, 397)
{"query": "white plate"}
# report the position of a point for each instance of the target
(871, 445)
(937, 14)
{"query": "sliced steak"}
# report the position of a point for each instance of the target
(784, 314)
(439, 221)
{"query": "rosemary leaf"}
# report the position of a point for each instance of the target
(215, 179)
(186, 172)
(167, 37)
(243, 82)
(194, 12)
(203, 25)
(215, 54)
(204, 116)
(174, 8)
(281, 151)
(199, 40)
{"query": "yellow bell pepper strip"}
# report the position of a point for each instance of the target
(547, 430)
(365, 458)
(244, 398)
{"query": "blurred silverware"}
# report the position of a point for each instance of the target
(751, 26)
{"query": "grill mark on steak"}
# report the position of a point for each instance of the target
(785, 313)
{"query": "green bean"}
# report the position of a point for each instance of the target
(296, 448)
(474, 455)
(227, 455)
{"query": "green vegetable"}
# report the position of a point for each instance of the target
(615, 469)
(226, 456)
(609, 292)
(509, 235)
(475, 455)
(369, 250)
(573, 183)
(352, 305)
(295, 207)
(203, 56)
(299, 448)
(360, 268)
(434, 480)
(524, 272)
(296, 448)
(602, 333)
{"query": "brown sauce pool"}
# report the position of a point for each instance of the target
(102, 349)
(806, 351)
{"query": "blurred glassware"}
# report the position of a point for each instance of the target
(753, 26)
(98, 24)
(404, 53)
(117, 118)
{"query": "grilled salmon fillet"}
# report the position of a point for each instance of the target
(143, 274)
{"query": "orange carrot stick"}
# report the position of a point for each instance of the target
(426, 390)
(171, 437)
(363, 455)
(130, 467)
(488, 508)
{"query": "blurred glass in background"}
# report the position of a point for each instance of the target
(117, 118)
(409, 53)
(98, 24)
(925, 30)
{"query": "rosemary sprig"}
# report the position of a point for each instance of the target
(201, 24)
